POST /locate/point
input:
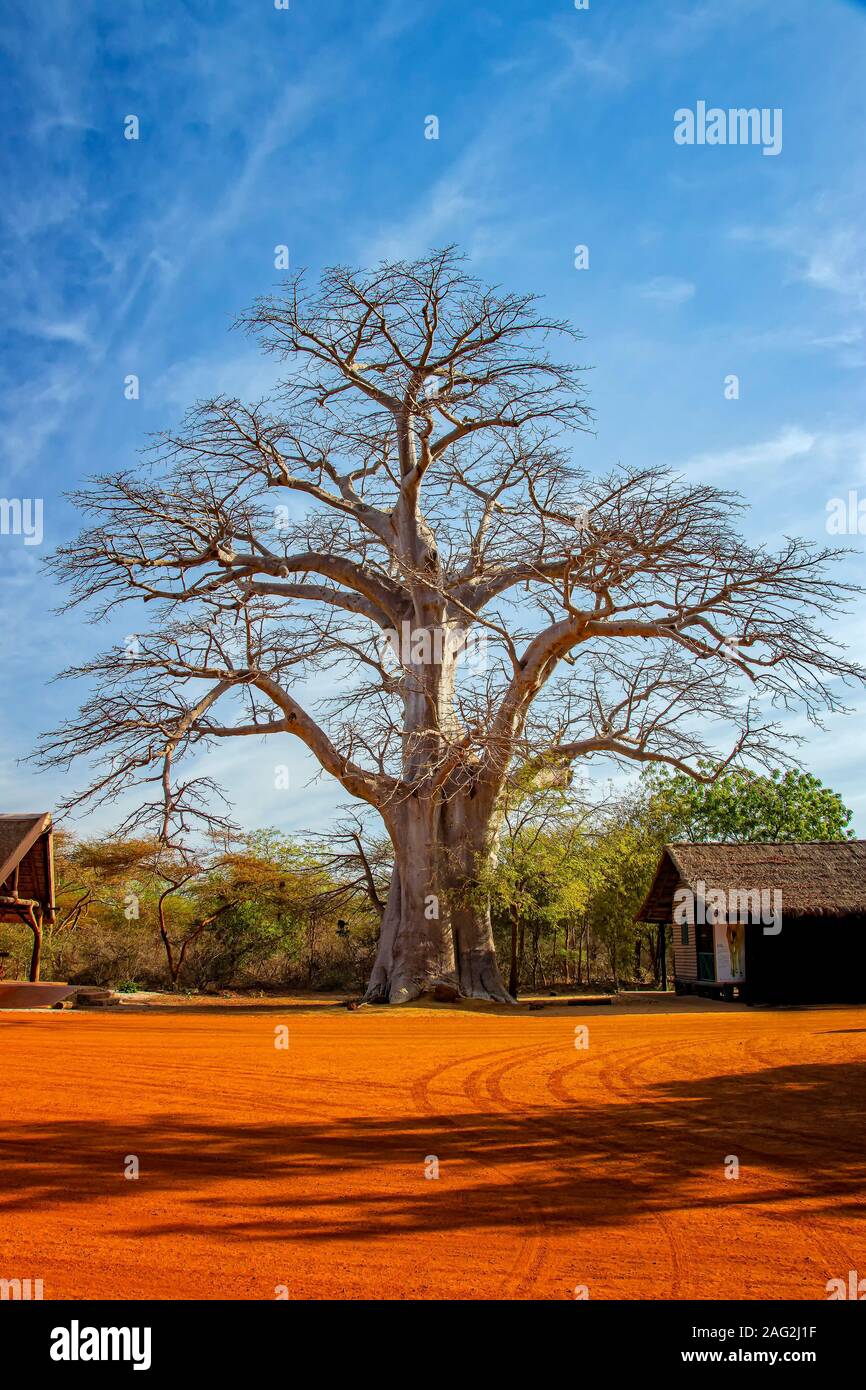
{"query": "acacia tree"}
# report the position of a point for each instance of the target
(188, 892)
(405, 491)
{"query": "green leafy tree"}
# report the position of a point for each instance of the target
(745, 806)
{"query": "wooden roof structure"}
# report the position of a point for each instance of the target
(817, 878)
(26, 863)
(27, 876)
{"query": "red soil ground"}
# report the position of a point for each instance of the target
(262, 1167)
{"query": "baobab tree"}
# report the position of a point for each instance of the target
(394, 559)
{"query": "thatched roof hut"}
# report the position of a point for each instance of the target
(817, 878)
(27, 875)
(765, 921)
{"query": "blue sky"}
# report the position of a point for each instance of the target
(305, 127)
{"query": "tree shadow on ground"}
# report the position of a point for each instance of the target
(562, 1164)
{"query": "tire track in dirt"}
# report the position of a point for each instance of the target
(620, 1083)
(837, 1257)
(485, 1087)
(632, 1089)
(555, 1169)
(524, 1270)
(669, 1223)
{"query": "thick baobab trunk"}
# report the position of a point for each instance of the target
(380, 977)
(416, 947)
(469, 847)
(478, 971)
(436, 933)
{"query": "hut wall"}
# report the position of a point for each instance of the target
(685, 953)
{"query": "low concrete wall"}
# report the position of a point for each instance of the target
(20, 994)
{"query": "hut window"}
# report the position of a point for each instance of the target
(684, 934)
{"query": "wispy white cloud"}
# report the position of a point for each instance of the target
(454, 199)
(603, 64)
(817, 251)
(667, 289)
(790, 443)
(846, 338)
(248, 375)
(838, 263)
(799, 469)
(74, 330)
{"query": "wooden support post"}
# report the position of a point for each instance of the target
(34, 918)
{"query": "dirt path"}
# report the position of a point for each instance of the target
(305, 1167)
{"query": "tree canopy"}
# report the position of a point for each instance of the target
(784, 804)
